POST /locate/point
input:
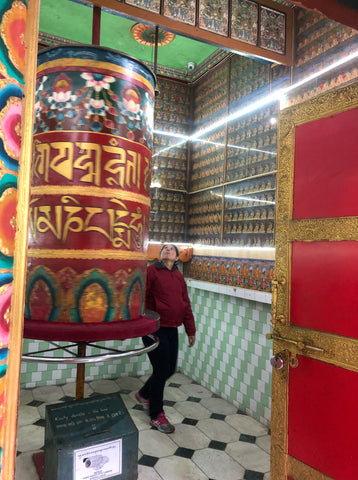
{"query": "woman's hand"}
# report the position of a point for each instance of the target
(191, 339)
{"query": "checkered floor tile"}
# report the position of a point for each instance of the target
(213, 439)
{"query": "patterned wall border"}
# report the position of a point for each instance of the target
(238, 272)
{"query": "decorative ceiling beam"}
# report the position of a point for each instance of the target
(221, 41)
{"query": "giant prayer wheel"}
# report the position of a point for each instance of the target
(90, 198)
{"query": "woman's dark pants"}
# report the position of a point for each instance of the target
(164, 362)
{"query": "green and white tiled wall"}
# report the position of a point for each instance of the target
(231, 356)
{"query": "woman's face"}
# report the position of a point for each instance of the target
(169, 253)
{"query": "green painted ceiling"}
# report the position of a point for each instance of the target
(72, 21)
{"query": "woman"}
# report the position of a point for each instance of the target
(166, 294)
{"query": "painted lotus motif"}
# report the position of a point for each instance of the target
(10, 127)
(13, 34)
(5, 308)
(8, 203)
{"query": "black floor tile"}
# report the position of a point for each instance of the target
(217, 445)
(194, 399)
(40, 423)
(184, 452)
(35, 403)
(218, 416)
(251, 475)
(169, 403)
(148, 461)
(247, 438)
(189, 421)
(175, 385)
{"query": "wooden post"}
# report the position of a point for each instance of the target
(81, 367)
(96, 26)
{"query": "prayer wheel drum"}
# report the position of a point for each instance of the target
(90, 198)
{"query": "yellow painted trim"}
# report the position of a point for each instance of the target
(91, 192)
(18, 296)
(86, 254)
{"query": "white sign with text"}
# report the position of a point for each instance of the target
(98, 462)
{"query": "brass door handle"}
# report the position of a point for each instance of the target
(298, 343)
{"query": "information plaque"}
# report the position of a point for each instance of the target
(90, 439)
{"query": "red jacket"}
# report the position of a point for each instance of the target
(167, 294)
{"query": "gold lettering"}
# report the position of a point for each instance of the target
(117, 227)
(138, 238)
(33, 217)
(92, 211)
(147, 174)
(44, 221)
(123, 227)
(93, 165)
(63, 162)
(115, 166)
(123, 167)
(72, 223)
(41, 160)
(133, 166)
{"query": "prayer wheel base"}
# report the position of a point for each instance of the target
(90, 332)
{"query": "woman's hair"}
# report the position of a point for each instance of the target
(174, 246)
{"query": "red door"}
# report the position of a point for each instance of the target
(315, 294)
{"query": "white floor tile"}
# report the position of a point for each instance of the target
(104, 386)
(188, 436)
(156, 444)
(218, 430)
(30, 437)
(246, 424)
(177, 468)
(195, 390)
(218, 465)
(28, 415)
(50, 393)
(218, 405)
(249, 456)
(25, 468)
(147, 473)
(193, 410)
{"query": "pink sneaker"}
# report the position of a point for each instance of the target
(162, 424)
(142, 400)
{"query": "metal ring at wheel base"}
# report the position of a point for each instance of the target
(90, 358)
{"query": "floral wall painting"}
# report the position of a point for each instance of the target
(12, 62)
